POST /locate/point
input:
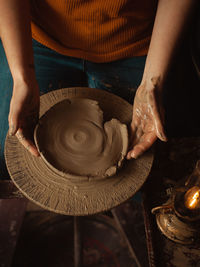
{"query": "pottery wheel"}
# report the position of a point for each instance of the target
(70, 195)
(73, 139)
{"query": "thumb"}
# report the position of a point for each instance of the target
(13, 124)
(12, 128)
(158, 117)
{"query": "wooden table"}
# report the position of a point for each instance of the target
(12, 211)
(174, 161)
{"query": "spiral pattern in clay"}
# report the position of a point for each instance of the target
(73, 139)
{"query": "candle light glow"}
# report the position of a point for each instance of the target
(192, 198)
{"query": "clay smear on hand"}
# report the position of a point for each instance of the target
(72, 138)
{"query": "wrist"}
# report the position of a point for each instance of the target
(22, 83)
(24, 75)
(152, 82)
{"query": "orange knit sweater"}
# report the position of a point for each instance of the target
(96, 30)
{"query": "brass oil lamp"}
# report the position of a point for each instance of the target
(179, 217)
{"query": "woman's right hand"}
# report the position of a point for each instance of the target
(24, 113)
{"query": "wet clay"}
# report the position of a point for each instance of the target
(59, 192)
(73, 138)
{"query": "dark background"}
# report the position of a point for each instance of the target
(182, 91)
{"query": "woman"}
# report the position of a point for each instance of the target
(87, 43)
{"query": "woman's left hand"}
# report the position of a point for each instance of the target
(147, 120)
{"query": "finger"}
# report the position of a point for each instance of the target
(157, 118)
(12, 128)
(132, 133)
(14, 120)
(27, 143)
(13, 124)
(135, 134)
(145, 143)
(159, 129)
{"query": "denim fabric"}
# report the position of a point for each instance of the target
(54, 71)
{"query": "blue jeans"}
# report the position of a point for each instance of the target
(54, 71)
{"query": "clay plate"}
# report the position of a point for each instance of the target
(74, 141)
(54, 192)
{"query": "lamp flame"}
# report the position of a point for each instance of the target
(192, 198)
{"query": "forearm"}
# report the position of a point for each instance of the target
(147, 121)
(170, 21)
(15, 33)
